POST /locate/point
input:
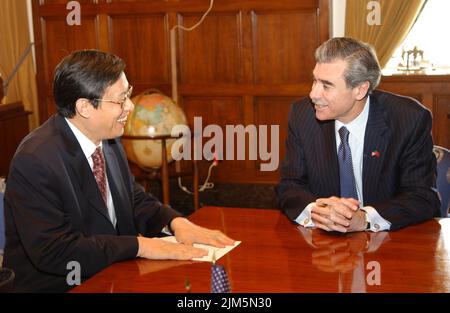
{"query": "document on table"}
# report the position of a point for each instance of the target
(219, 252)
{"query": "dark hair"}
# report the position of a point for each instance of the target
(84, 74)
(362, 62)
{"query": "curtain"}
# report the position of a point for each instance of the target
(14, 40)
(397, 18)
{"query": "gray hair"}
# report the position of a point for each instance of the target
(362, 62)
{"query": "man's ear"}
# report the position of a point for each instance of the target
(83, 107)
(362, 90)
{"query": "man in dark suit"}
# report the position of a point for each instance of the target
(70, 196)
(356, 158)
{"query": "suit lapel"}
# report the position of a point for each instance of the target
(327, 152)
(375, 143)
(121, 198)
(81, 169)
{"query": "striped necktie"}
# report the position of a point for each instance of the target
(346, 175)
(99, 171)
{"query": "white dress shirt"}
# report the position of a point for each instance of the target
(88, 148)
(357, 129)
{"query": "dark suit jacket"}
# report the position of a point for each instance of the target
(55, 213)
(397, 183)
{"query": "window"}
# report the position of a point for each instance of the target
(430, 37)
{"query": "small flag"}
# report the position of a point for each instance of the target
(187, 285)
(375, 154)
(219, 279)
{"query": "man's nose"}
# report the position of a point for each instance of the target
(129, 105)
(315, 91)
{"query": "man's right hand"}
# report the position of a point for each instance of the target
(157, 249)
(334, 214)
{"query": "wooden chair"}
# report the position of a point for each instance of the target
(443, 178)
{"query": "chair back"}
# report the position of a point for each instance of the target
(2, 224)
(443, 178)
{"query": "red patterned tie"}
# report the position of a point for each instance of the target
(99, 171)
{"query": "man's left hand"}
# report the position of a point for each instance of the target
(189, 233)
(338, 214)
(358, 221)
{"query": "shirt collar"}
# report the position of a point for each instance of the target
(86, 144)
(356, 127)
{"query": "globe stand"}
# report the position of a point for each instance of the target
(163, 172)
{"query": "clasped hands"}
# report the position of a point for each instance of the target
(338, 214)
(187, 234)
(338, 254)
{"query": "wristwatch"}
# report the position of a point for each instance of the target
(366, 217)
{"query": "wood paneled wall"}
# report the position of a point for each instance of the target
(244, 65)
(433, 92)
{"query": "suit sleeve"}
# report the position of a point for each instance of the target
(293, 190)
(150, 214)
(45, 228)
(416, 201)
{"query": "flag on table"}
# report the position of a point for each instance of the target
(219, 279)
(187, 285)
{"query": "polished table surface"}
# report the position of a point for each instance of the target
(278, 256)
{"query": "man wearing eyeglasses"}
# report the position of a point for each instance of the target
(70, 195)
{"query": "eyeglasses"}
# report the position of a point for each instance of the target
(121, 102)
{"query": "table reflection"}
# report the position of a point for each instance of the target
(344, 254)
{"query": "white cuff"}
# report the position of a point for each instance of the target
(304, 218)
(166, 231)
(377, 223)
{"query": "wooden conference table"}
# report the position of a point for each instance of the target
(278, 256)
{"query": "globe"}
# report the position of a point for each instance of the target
(153, 114)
